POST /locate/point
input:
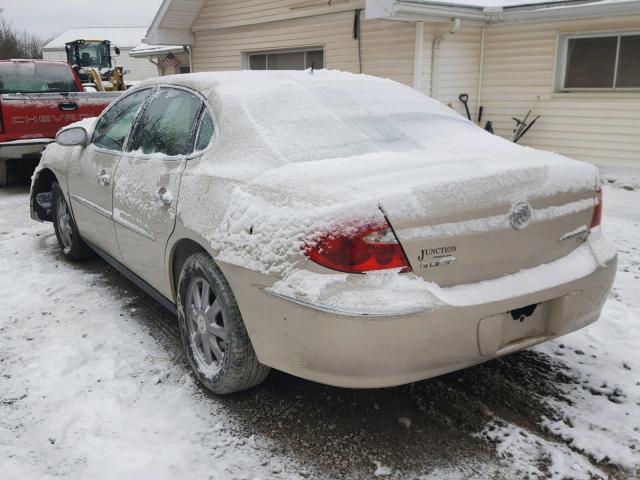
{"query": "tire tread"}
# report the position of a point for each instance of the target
(79, 250)
(241, 369)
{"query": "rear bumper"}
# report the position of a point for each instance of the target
(19, 149)
(365, 351)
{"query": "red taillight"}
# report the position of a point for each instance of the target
(1, 127)
(597, 212)
(364, 249)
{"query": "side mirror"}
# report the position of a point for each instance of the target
(117, 50)
(72, 137)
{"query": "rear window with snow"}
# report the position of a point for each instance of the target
(36, 77)
(302, 118)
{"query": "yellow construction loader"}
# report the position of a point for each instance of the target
(93, 62)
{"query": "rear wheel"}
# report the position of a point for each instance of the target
(213, 333)
(71, 244)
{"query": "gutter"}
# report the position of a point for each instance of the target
(159, 51)
(437, 12)
(417, 11)
(570, 11)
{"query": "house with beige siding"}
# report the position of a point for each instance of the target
(576, 64)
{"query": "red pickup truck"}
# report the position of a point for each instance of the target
(38, 98)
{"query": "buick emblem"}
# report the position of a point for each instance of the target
(520, 215)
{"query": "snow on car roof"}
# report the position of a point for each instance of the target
(123, 37)
(303, 116)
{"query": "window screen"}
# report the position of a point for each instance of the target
(315, 59)
(629, 62)
(287, 60)
(167, 123)
(258, 61)
(606, 61)
(591, 62)
(113, 127)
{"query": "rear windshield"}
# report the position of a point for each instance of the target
(311, 117)
(34, 77)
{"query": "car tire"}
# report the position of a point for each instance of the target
(213, 333)
(71, 243)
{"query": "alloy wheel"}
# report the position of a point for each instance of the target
(64, 223)
(205, 321)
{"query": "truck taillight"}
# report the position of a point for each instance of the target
(359, 250)
(1, 126)
(596, 219)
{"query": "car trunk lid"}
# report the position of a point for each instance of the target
(490, 224)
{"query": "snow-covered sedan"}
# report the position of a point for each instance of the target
(342, 228)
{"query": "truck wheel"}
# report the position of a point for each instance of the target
(212, 330)
(71, 244)
(3, 172)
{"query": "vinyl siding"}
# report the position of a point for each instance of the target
(386, 47)
(520, 60)
(234, 13)
(137, 68)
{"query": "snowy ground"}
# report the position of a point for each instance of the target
(93, 384)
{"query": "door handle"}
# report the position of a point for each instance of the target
(103, 178)
(163, 197)
(68, 106)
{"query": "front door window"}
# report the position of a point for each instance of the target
(114, 126)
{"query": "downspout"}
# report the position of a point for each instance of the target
(435, 54)
(357, 35)
(480, 70)
(417, 56)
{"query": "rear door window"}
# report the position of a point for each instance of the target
(114, 126)
(167, 125)
(36, 77)
(205, 134)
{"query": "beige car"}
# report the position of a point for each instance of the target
(342, 228)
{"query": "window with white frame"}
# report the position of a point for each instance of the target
(298, 59)
(604, 61)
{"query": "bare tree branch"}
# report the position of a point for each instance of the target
(16, 43)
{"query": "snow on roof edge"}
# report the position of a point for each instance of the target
(144, 50)
(514, 4)
(124, 37)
